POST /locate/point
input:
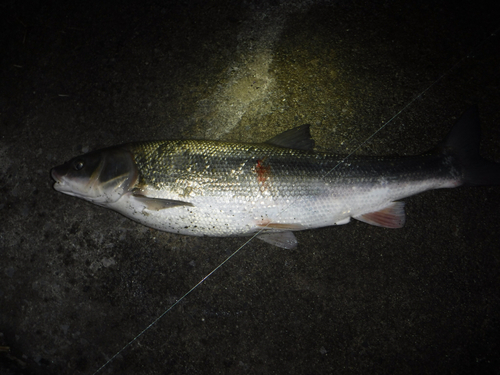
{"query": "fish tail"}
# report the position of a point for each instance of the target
(463, 144)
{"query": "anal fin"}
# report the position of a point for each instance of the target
(392, 216)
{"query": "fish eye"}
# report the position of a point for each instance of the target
(78, 164)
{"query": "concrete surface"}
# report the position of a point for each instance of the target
(80, 282)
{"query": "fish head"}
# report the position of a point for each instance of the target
(101, 177)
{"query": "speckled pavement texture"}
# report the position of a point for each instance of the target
(79, 282)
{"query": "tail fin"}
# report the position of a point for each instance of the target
(463, 143)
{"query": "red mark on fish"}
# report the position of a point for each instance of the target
(263, 172)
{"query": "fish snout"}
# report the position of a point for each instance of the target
(55, 176)
(57, 173)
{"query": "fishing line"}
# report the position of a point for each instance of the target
(412, 101)
(177, 302)
(292, 203)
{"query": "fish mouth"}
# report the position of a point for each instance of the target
(58, 178)
(62, 184)
(55, 176)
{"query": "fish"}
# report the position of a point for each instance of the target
(269, 189)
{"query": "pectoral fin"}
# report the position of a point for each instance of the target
(157, 204)
(285, 240)
(392, 216)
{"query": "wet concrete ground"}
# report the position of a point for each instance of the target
(79, 282)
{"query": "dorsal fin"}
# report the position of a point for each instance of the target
(298, 138)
